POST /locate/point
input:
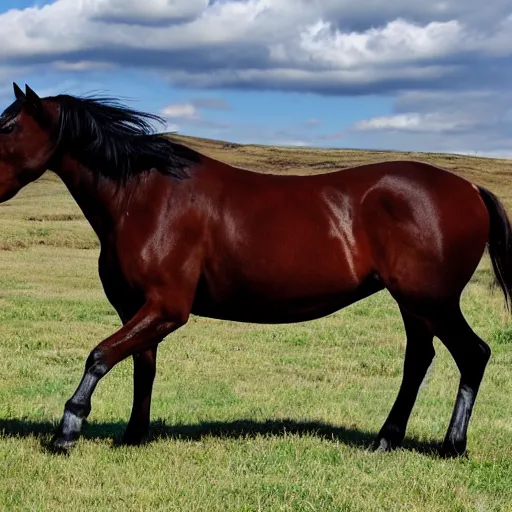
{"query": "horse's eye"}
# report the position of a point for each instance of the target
(7, 127)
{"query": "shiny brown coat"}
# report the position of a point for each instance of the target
(231, 244)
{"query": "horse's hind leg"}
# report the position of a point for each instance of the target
(418, 357)
(471, 355)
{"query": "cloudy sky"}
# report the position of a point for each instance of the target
(388, 74)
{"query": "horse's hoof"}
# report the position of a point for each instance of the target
(133, 438)
(61, 445)
(453, 449)
(382, 445)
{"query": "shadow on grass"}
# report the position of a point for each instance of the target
(239, 429)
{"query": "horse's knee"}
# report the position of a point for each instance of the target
(96, 363)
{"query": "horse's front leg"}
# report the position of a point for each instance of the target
(144, 370)
(149, 326)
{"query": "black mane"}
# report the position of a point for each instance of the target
(116, 141)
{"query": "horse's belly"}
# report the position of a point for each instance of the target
(262, 306)
(279, 275)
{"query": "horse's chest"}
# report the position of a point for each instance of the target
(116, 284)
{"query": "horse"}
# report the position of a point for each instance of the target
(182, 233)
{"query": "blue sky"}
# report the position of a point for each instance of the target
(390, 75)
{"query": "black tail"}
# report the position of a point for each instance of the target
(500, 243)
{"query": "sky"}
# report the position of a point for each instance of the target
(374, 74)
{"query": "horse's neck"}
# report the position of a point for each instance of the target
(101, 200)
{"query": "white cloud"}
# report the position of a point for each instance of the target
(292, 43)
(398, 41)
(475, 122)
(444, 111)
(180, 110)
(347, 81)
(136, 11)
(416, 51)
(293, 143)
(81, 65)
(506, 154)
(190, 110)
(413, 121)
(189, 114)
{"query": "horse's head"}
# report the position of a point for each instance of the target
(27, 135)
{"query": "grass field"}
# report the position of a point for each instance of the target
(245, 417)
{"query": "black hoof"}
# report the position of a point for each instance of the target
(61, 445)
(133, 437)
(389, 439)
(453, 449)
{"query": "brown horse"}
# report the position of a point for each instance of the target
(182, 233)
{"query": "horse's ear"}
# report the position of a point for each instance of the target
(33, 104)
(33, 98)
(20, 95)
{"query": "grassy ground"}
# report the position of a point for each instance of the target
(246, 417)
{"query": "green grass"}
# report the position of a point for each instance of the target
(245, 417)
